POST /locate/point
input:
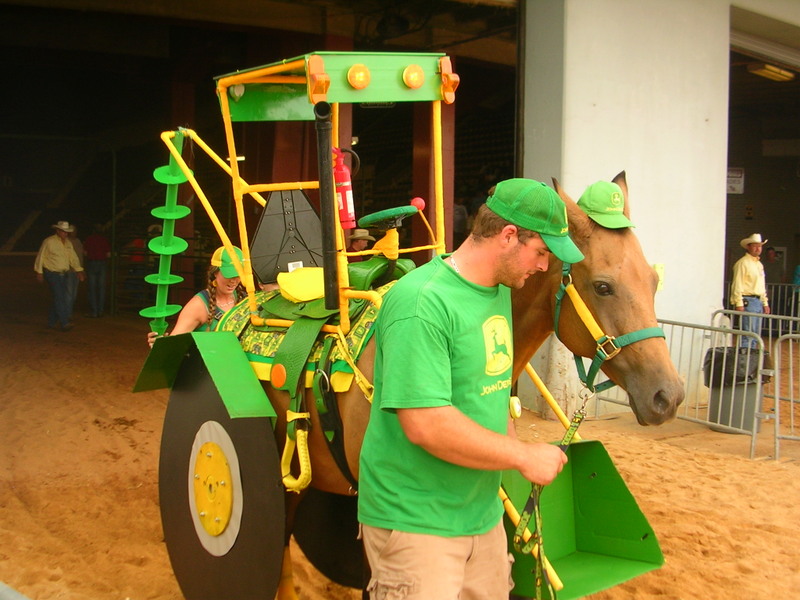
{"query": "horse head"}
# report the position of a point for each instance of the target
(618, 287)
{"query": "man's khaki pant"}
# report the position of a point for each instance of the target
(415, 566)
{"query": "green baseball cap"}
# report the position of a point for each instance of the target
(223, 260)
(604, 202)
(535, 206)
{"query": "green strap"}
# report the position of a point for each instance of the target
(322, 382)
(328, 410)
(532, 511)
(569, 435)
(293, 355)
(601, 356)
(562, 290)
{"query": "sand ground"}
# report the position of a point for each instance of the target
(79, 497)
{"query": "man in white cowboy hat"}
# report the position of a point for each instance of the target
(53, 262)
(748, 288)
(359, 240)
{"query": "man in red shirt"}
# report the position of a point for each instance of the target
(98, 250)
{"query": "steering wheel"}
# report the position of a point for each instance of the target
(391, 218)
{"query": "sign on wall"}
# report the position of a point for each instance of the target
(735, 181)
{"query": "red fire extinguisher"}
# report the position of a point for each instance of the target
(344, 189)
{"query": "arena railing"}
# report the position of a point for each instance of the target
(729, 388)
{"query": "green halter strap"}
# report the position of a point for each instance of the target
(608, 346)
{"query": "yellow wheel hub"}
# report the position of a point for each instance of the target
(213, 489)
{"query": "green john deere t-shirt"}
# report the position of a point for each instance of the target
(441, 341)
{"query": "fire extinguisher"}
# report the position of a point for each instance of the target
(344, 187)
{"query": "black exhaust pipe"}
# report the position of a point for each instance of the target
(327, 201)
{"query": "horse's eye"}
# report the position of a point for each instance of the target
(601, 288)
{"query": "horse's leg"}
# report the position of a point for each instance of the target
(286, 589)
(286, 583)
(354, 410)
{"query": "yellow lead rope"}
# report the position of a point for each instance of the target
(583, 312)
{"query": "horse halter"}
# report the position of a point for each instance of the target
(608, 346)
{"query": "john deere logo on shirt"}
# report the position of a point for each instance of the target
(497, 341)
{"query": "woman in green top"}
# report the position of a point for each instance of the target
(205, 309)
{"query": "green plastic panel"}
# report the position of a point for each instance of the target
(290, 102)
(237, 384)
(266, 102)
(594, 533)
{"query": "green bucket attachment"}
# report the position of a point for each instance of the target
(594, 533)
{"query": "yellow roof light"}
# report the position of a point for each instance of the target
(413, 76)
(358, 76)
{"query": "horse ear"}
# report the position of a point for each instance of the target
(578, 220)
(557, 187)
(623, 184)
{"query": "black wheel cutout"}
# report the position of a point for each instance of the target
(250, 568)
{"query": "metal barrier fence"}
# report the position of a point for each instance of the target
(787, 390)
(784, 299)
(729, 384)
(773, 326)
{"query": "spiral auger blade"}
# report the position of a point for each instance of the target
(167, 244)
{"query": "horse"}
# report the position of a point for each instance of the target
(619, 285)
(614, 281)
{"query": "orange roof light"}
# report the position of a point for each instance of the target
(413, 76)
(318, 80)
(450, 80)
(358, 76)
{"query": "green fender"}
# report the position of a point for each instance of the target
(237, 384)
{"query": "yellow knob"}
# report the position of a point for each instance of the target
(515, 407)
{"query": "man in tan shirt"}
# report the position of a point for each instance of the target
(53, 262)
(749, 288)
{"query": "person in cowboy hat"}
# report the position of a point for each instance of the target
(749, 289)
(359, 240)
(439, 433)
(223, 290)
(53, 262)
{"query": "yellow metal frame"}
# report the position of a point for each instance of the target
(388, 245)
(317, 83)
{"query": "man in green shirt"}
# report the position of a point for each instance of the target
(439, 433)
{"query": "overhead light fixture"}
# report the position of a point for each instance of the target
(770, 71)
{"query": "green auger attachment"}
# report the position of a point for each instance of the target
(167, 244)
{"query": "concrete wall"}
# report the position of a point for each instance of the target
(641, 86)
